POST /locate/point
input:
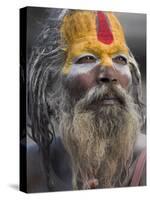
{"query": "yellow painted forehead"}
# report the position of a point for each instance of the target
(77, 25)
(91, 31)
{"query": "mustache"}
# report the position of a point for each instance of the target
(97, 94)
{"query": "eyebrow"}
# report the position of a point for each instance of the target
(83, 55)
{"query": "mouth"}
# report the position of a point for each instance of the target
(105, 101)
(110, 100)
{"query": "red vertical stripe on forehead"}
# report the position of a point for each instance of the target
(104, 33)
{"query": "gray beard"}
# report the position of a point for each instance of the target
(99, 138)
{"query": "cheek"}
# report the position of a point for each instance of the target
(83, 76)
(85, 81)
(124, 76)
(79, 83)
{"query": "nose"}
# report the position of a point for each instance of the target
(106, 75)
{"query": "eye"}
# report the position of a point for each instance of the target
(120, 60)
(86, 59)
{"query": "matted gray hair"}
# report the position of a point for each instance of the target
(43, 72)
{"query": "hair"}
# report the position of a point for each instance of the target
(43, 70)
(44, 84)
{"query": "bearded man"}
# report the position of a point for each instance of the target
(85, 103)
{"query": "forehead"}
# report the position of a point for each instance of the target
(85, 31)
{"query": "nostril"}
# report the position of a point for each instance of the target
(114, 80)
(104, 80)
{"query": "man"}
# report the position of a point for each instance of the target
(85, 104)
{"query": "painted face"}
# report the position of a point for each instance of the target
(96, 50)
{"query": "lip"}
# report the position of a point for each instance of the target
(105, 101)
(110, 100)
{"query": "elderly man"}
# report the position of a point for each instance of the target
(85, 105)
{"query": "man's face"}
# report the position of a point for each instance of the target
(99, 129)
(88, 70)
(95, 57)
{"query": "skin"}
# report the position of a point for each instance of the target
(87, 71)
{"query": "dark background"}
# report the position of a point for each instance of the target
(134, 26)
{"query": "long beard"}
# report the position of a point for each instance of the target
(100, 138)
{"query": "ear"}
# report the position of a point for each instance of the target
(136, 88)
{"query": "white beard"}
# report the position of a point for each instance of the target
(100, 142)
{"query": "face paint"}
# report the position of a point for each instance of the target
(123, 68)
(123, 71)
(87, 75)
(81, 35)
(104, 33)
(77, 69)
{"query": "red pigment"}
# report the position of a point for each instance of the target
(104, 33)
